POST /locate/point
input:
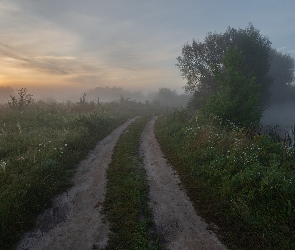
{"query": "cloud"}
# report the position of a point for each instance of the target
(30, 62)
(122, 43)
(87, 79)
(56, 57)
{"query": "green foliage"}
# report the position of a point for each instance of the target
(127, 196)
(39, 152)
(40, 148)
(199, 58)
(237, 96)
(23, 100)
(245, 186)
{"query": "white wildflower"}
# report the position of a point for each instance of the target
(3, 166)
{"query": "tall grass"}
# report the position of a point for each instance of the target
(243, 184)
(40, 146)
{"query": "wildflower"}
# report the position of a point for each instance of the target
(18, 125)
(3, 166)
(66, 145)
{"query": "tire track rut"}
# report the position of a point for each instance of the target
(175, 218)
(74, 221)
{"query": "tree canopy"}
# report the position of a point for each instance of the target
(199, 58)
(238, 93)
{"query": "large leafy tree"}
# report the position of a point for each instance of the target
(238, 93)
(199, 58)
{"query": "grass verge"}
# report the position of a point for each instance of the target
(246, 186)
(39, 150)
(126, 203)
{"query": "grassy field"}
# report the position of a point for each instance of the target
(127, 196)
(244, 184)
(40, 146)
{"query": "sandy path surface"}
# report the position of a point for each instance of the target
(74, 220)
(175, 218)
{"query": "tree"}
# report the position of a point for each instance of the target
(199, 58)
(23, 100)
(237, 95)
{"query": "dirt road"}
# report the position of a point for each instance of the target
(175, 217)
(74, 221)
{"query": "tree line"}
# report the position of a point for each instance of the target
(164, 96)
(236, 75)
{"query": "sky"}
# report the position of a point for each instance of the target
(76, 45)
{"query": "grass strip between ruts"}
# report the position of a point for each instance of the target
(127, 196)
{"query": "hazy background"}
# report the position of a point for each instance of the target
(61, 49)
(75, 45)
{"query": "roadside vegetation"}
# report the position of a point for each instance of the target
(126, 203)
(243, 183)
(40, 145)
(239, 176)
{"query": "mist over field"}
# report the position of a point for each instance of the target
(282, 115)
(208, 86)
(164, 96)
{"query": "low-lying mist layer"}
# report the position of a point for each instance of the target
(164, 96)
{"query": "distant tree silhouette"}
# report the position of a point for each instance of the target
(282, 71)
(113, 93)
(167, 97)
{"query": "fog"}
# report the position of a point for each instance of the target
(281, 111)
(282, 115)
(162, 96)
